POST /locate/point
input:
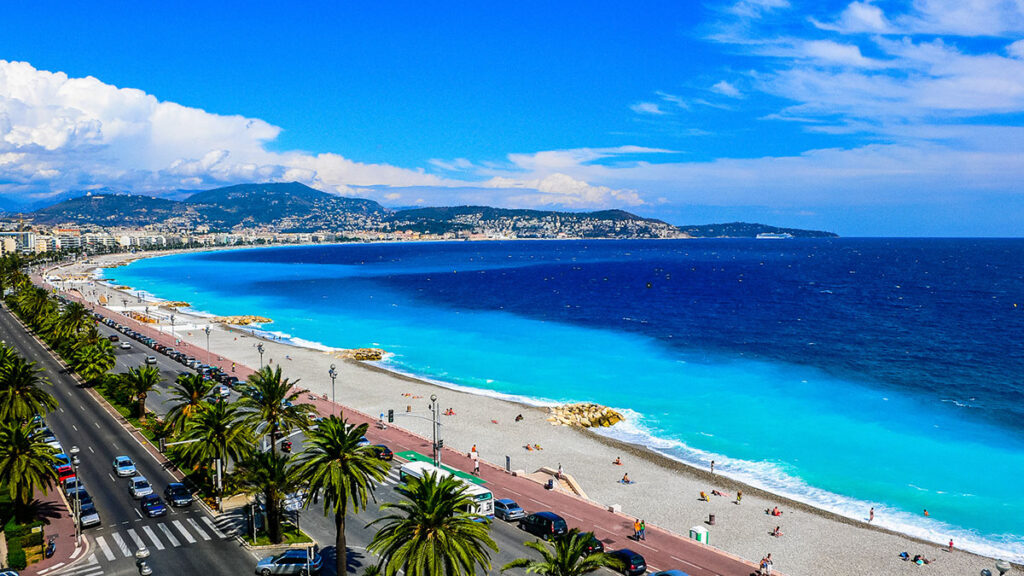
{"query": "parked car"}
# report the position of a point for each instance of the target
(633, 564)
(544, 524)
(72, 483)
(139, 487)
(152, 506)
(383, 452)
(507, 509)
(177, 494)
(89, 515)
(594, 545)
(126, 346)
(64, 472)
(124, 467)
(289, 562)
(61, 460)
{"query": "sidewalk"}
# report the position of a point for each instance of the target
(55, 511)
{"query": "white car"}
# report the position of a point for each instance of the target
(150, 359)
(90, 517)
(124, 467)
(139, 487)
(126, 346)
(222, 391)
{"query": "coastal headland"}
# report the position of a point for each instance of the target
(665, 492)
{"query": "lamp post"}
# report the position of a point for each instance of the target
(259, 348)
(207, 330)
(78, 501)
(172, 327)
(434, 424)
(333, 373)
(124, 304)
(139, 294)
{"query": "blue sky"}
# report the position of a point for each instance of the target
(865, 118)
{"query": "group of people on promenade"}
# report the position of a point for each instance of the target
(639, 530)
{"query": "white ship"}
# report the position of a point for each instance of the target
(773, 235)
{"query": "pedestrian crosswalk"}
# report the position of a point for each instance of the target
(391, 479)
(123, 542)
(89, 567)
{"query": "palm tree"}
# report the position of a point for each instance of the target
(26, 463)
(565, 555)
(432, 531)
(190, 392)
(75, 319)
(333, 463)
(218, 432)
(92, 362)
(138, 383)
(271, 404)
(270, 475)
(35, 303)
(21, 393)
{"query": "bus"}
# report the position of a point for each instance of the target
(483, 499)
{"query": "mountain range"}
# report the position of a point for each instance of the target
(295, 207)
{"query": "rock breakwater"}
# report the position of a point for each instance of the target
(584, 415)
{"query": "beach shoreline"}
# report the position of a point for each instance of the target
(817, 540)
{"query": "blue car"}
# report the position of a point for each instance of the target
(152, 506)
(507, 510)
(289, 562)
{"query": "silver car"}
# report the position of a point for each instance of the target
(139, 487)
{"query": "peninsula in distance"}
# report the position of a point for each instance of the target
(299, 209)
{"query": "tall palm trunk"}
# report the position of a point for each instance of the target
(273, 517)
(142, 408)
(340, 545)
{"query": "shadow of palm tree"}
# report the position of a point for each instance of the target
(354, 560)
(45, 510)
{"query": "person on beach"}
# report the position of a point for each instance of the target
(473, 449)
(950, 544)
(618, 461)
(559, 475)
(777, 532)
(739, 496)
(871, 515)
(625, 479)
(519, 418)
(704, 496)
(712, 466)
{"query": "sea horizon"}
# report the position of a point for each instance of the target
(725, 379)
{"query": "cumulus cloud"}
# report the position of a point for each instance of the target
(647, 108)
(80, 132)
(726, 89)
(564, 190)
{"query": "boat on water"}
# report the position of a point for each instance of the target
(774, 235)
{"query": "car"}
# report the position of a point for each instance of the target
(52, 442)
(594, 546)
(64, 472)
(363, 441)
(633, 564)
(544, 524)
(61, 460)
(152, 506)
(383, 452)
(124, 467)
(139, 487)
(177, 494)
(507, 509)
(150, 359)
(289, 562)
(113, 338)
(71, 483)
(89, 516)
(126, 346)
(222, 391)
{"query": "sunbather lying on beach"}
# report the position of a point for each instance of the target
(777, 532)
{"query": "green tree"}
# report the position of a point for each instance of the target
(271, 404)
(138, 383)
(26, 463)
(36, 304)
(73, 321)
(189, 393)
(93, 362)
(270, 475)
(343, 472)
(432, 531)
(21, 392)
(218, 432)
(565, 555)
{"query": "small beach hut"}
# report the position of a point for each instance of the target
(700, 534)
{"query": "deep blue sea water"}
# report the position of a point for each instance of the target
(847, 373)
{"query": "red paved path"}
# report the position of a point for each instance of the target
(662, 549)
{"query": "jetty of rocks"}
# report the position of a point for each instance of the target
(583, 415)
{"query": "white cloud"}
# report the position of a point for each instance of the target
(756, 8)
(563, 190)
(647, 108)
(79, 132)
(858, 17)
(1016, 49)
(726, 89)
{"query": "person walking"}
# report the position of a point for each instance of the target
(643, 530)
(871, 515)
(712, 466)
(950, 544)
(636, 529)
(476, 466)
(739, 496)
(559, 470)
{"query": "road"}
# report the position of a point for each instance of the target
(186, 541)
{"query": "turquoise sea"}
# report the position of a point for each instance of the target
(846, 373)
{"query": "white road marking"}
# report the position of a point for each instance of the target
(54, 567)
(91, 450)
(136, 538)
(112, 479)
(106, 549)
(139, 514)
(209, 523)
(78, 550)
(170, 537)
(61, 410)
(152, 536)
(97, 424)
(121, 544)
(195, 526)
(181, 528)
(75, 427)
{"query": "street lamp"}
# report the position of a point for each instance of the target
(259, 348)
(78, 500)
(207, 330)
(172, 327)
(435, 423)
(333, 373)
(140, 296)
(124, 304)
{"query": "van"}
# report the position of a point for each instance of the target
(547, 525)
